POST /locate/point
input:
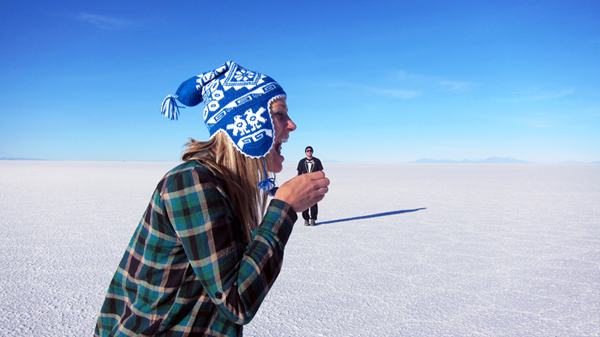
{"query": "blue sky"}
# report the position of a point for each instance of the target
(377, 81)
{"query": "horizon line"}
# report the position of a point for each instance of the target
(418, 161)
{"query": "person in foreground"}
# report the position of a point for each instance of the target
(209, 246)
(308, 165)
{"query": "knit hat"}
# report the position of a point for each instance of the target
(237, 101)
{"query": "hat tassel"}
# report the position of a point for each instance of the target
(169, 107)
(269, 183)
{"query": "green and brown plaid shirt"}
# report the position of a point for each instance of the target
(188, 269)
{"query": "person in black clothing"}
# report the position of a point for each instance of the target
(307, 165)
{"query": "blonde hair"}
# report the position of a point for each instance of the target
(240, 175)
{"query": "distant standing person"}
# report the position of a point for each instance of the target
(308, 165)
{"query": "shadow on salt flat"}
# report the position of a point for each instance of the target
(370, 216)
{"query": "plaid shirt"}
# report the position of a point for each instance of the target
(189, 270)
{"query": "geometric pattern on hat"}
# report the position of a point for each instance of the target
(237, 101)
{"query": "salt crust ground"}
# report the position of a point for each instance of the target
(504, 250)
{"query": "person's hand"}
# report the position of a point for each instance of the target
(303, 191)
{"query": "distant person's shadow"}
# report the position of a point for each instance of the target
(369, 216)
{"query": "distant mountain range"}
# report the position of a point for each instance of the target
(491, 160)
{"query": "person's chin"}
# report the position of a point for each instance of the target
(275, 159)
(276, 168)
(275, 163)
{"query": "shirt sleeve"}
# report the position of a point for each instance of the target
(319, 165)
(236, 277)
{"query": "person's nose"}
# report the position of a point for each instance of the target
(291, 126)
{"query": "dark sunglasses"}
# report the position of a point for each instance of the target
(309, 150)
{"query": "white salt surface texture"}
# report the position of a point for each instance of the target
(398, 250)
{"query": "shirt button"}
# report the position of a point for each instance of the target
(218, 295)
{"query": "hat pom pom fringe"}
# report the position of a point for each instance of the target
(170, 108)
(269, 183)
(269, 186)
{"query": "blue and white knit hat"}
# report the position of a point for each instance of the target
(236, 101)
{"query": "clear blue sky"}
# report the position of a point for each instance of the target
(367, 81)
